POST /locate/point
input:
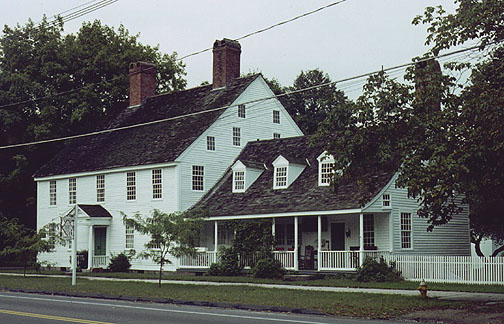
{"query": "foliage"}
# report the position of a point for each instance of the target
(379, 271)
(89, 71)
(228, 265)
(444, 138)
(82, 259)
(268, 268)
(20, 243)
(119, 263)
(252, 240)
(175, 234)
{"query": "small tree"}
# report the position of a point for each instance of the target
(20, 243)
(175, 234)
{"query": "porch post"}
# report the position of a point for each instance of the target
(216, 235)
(319, 240)
(361, 239)
(273, 229)
(90, 248)
(296, 243)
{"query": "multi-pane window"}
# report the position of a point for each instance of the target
(52, 192)
(284, 234)
(276, 116)
(239, 180)
(281, 177)
(386, 200)
(100, 188)
(406, 230)
(130, 237)
(130, 185)
(326, 173)
(72, 190)
(276, 135)
(236, 136)
(210, 143)
(225, 234)
(198, 173)
(157, 184)
(51, 236)
(241, 111)
(368, 230)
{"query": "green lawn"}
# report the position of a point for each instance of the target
(347, 304)
(329, 281)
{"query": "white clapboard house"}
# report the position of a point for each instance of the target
(316, 227)
(167, 166)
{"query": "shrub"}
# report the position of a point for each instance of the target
(268, 268)
(228, 264)
(119, 263)
(372, 270)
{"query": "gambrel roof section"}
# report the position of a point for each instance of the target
(157, 143)
(304, 194)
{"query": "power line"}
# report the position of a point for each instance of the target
(400, 66)
(179, 59)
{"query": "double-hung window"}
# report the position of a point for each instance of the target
(241, 111)
(52, 192)
(210, 143)
(326, 173)
(130, 237)
(276, 135)
(276, 116)
(157, 184)
(236, 136)
(386, 200)
(281, 177)
(239, 181)
(72, 191)
(368, 230)
(131, 185)
(198, 174)
(100, 188)
(406, 231)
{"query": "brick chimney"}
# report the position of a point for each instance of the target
(226, 62)
(142, 81)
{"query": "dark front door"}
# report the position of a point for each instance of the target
(100, 240)
(337, 236)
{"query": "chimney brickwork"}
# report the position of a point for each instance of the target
(226, 62)
(142, 81)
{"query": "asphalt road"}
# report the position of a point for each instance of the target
(42, 309)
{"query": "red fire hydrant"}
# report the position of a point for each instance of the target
(422, 288)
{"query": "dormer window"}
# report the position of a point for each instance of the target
(326, 169)
(280, 177)
(238, 181)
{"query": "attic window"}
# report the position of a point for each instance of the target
(210, 142)
(241, 111)
(326, 169)
(386, 200)
(280, 177)
(236, 136)
(276, 135)
(276, 116)
(239, 181)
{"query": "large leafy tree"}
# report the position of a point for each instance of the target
(445, 139)
(53, 85)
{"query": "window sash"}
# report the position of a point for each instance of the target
(131, 186)
(157, 184)
(198, 174)
(276, 117)
(386, 200)
(236, 136)
(326, 172)
(72, 190)
(210, 143)
(241, 111)
(406, 231)
(281, 177)
(239, 180)
(52, 192)
(276, 135)
(368, 230)
(130, 237)
(100, 188)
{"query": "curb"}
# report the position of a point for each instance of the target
(158, 300)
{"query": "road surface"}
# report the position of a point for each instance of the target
(43, 309)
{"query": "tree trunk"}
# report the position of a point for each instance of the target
(477, 246)
(499, 250)
(160, 273)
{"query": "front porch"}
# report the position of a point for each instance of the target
(311, 243)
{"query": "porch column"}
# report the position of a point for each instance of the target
(216, 234)
(296, 242)
(90, 248)
(361, 239)
(273, 228)
(319, 240)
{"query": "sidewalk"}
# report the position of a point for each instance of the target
(443, 295)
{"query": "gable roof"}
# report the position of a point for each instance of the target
(304, 194)
(157, 143)
(94, 210)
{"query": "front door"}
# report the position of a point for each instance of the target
(337, 236)
(100, 241)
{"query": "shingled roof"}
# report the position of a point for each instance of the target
(156, 143)
(304, 194)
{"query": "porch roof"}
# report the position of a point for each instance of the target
(304, 195)
(95, 210)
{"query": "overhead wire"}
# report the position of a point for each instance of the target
(400, 66)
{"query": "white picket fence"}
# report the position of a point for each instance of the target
(450, 269)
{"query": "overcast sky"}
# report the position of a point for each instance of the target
(354, 37)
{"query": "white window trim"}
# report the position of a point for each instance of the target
(134, 186)
(239, 141)
(235, 190)
(154, 184)
(275, 186)
(241, 108)
(129, 232)
(72, 191)
(51, 193)
(208, 142)
(276, 135)
(322, 159)
(368, 231)
(385, 200)
(411, 229)
(100, 176)
(274, 119)
(202, 176)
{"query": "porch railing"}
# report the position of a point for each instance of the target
(286, 258)
(345, 260)
(202, 260)
(100, 261)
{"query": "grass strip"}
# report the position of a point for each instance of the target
(342, 304)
